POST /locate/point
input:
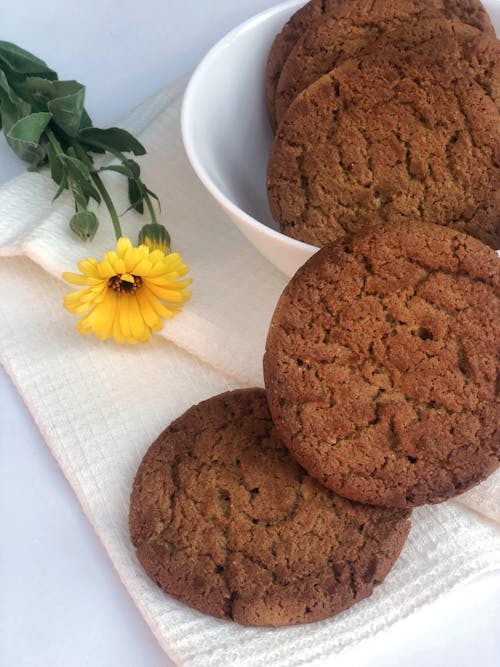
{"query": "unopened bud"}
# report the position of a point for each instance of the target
(155, 237)
(84, 224)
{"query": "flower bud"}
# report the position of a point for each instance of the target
(155, 237)
(84, 224)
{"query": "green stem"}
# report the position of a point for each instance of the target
(118, 154)
(101, 187)
(109, 204)
(150, 206)
(54, 142)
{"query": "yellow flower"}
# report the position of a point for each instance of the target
(128, 293)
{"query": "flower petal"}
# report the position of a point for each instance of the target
(124, 317)
(127, 277)
(89, 267)
(176, 296)
(123, 245)
(142, 268)
(137, 324)
(106, 269)
(117, 331)
(75, 278)
(159, 308)
(119, 266)
(151, 318)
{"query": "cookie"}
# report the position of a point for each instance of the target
(332, 41)
(468, 11)
(382, 364)
(388, 137)
(226, 521)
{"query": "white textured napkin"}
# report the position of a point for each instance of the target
(99, 405)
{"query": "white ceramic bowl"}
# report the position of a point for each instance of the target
(227, 135)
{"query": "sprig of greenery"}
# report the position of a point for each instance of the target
(45, 122)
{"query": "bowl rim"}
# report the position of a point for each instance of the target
(187, 110)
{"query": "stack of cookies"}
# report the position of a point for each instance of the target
(224, 519)
(289, 504)
(386, 111)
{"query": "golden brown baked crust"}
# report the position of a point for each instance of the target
(387, 137)
(468, 11)
(224, 519)
(331, 42)
(382, 364)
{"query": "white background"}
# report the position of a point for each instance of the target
(61, 603)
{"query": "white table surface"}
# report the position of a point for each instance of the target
(61, 602)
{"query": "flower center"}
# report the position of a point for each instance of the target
(125, 286)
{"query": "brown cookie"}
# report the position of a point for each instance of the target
(468, 11)
(382, 364)
(332, 41)
(226, 521)
(387, 137)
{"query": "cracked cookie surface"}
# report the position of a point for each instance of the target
(388, 137)
(469, 11)
(382, 364)
(226, 521)
(332, 41)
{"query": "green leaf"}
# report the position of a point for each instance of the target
(12, 114)
(152, 194)
(86, 122)
(80, 196)
(91, 191)
(111, 139)
(67, 107)
(6, 88)
(22, 62)
(34, 90)
(32, 155)
(134, 168)
(12, 111)
(71, 152)
(76, 168)
(8, 100)
(55, 163)
(12, 108)
(68, 87)
(120, 169)
(135, 196)
(62, 186)
(30, 128)
(64, 99)
(67, 171)
(128, 168)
